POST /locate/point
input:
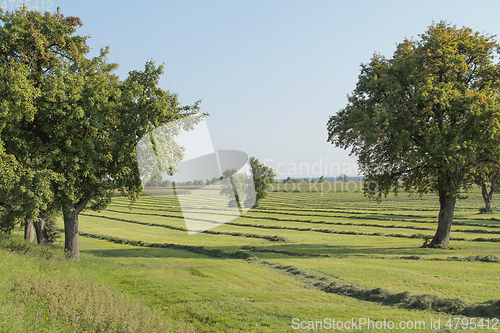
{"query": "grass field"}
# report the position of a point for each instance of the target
(299, 257)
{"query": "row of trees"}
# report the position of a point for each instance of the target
(168, 183)
(69, 125)
(427, 119)
(342, 178)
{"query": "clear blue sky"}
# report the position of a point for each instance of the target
(270, 73)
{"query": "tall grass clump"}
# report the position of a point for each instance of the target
(40, 291)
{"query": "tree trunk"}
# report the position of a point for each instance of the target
(29, 233)
(235, 192)
(41, 235)
(71, 234)
(487, 197)
(445, 219)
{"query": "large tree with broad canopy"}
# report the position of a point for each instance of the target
(427, 119)
(69, 126)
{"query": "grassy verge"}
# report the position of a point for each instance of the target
(340, 259)
(40, 291)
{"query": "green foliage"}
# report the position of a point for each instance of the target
(239, 183)
(68, 124)
(427, 241)
(24, 191)
(32, 47)
(262, 177)
(428, 118)
(293, 180)
(234, 184)
(51, 230)
(344, 178)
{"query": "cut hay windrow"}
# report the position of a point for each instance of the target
(327, 231)
(249, 216)
(288, 253)
(212, 232)
(478, 258)
(454, 306)
(215, 253)
(405, 300)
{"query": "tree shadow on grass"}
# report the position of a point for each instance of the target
(333, 251)
(143, 252)
(264, 252)
(155, 252)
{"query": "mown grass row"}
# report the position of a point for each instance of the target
(214, 253)
(269, 206)
(346, 200)
(489, 309)
(278, 238)
(345, 258)
(406, 300)
(323, 230)
(269, 214)
(211, 232)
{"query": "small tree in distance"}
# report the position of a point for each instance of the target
(489, 185)
(239, 183)
(343, 178)
(262, 177)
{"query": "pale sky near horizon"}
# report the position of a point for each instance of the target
(269, 73)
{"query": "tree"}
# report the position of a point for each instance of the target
(166, 183)
(321, 179)
(240, 185)
(116, 114)
(427, 119)
(344, 178)
(489, 184)
(27, 197)
(84, 123)
(262, 177)
(234, 184)
(24, 60)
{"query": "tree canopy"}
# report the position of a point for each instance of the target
(249, 190)
(262, 177)
(427, 119)
(75, 128)
(31, 47)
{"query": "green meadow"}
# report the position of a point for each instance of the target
(296, 259)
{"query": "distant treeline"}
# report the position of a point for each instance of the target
(168, 183)
(322, 179)
(197, 182)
